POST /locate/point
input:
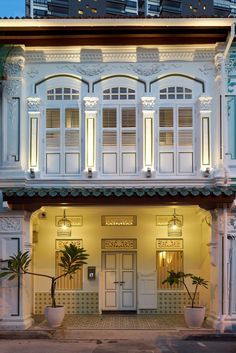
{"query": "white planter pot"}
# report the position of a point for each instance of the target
(55, 316)
(194, 317)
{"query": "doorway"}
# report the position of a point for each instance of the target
(119, 281)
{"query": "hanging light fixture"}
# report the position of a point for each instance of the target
(175, 226)
(64, 222)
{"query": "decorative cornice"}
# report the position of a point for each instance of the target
(91, 103)
(136, 56)
(33, 103)
(91, 55)
(205, 103)
(148, 103)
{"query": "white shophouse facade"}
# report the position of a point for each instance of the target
(119, 133)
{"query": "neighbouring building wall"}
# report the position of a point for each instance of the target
(15, 296)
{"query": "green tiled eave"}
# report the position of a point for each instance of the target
(118, 192)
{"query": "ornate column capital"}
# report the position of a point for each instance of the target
(14, 66)
(148, 103)
(205, 103)
(33, 104)
(91, 103)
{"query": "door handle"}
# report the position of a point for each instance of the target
(121, 283)
(116, 282)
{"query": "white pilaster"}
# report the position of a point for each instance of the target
(205, 111)
(34, 119)
(148, 111)
(91, 111)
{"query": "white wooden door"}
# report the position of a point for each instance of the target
(119, 281)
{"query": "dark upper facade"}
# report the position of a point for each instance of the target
(120, 8)
(196, 8)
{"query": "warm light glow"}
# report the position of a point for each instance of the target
(148, 142)
(205, 142)
(148, 116)
(175, 226)
(90, 143)
(34, 141)
(162, 258)
(64, 223)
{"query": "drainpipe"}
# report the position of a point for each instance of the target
(230, 39)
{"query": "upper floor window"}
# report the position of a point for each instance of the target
(62, 132)
(119, 132)
(59, 94)
(119, 93)
(175, 134)
(176, 93)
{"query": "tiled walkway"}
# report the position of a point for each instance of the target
(119, 322)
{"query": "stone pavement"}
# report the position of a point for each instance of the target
(109, 327)
(117, 334)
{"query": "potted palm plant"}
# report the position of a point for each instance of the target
(72, 259)
(193, 314)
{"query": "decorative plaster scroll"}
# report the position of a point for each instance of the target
(91, 70)
(146, 70)
(232, 224)
(148, 103)
(11, 88)
(91, 103)
(76, 221)
(119, 220)
(205, 103)
(120, 244)
(212, 249)
(219, 59)
(60, 243)
(169, 244)
(33, 103)
(32, 72)
(10, 225)
(14, 66)
(162, 220)
(85, 70)
(206, 69)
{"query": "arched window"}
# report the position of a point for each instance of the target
(175, 131)
(176, 93)
(62, 131)
(122, 93)
(119, 131)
